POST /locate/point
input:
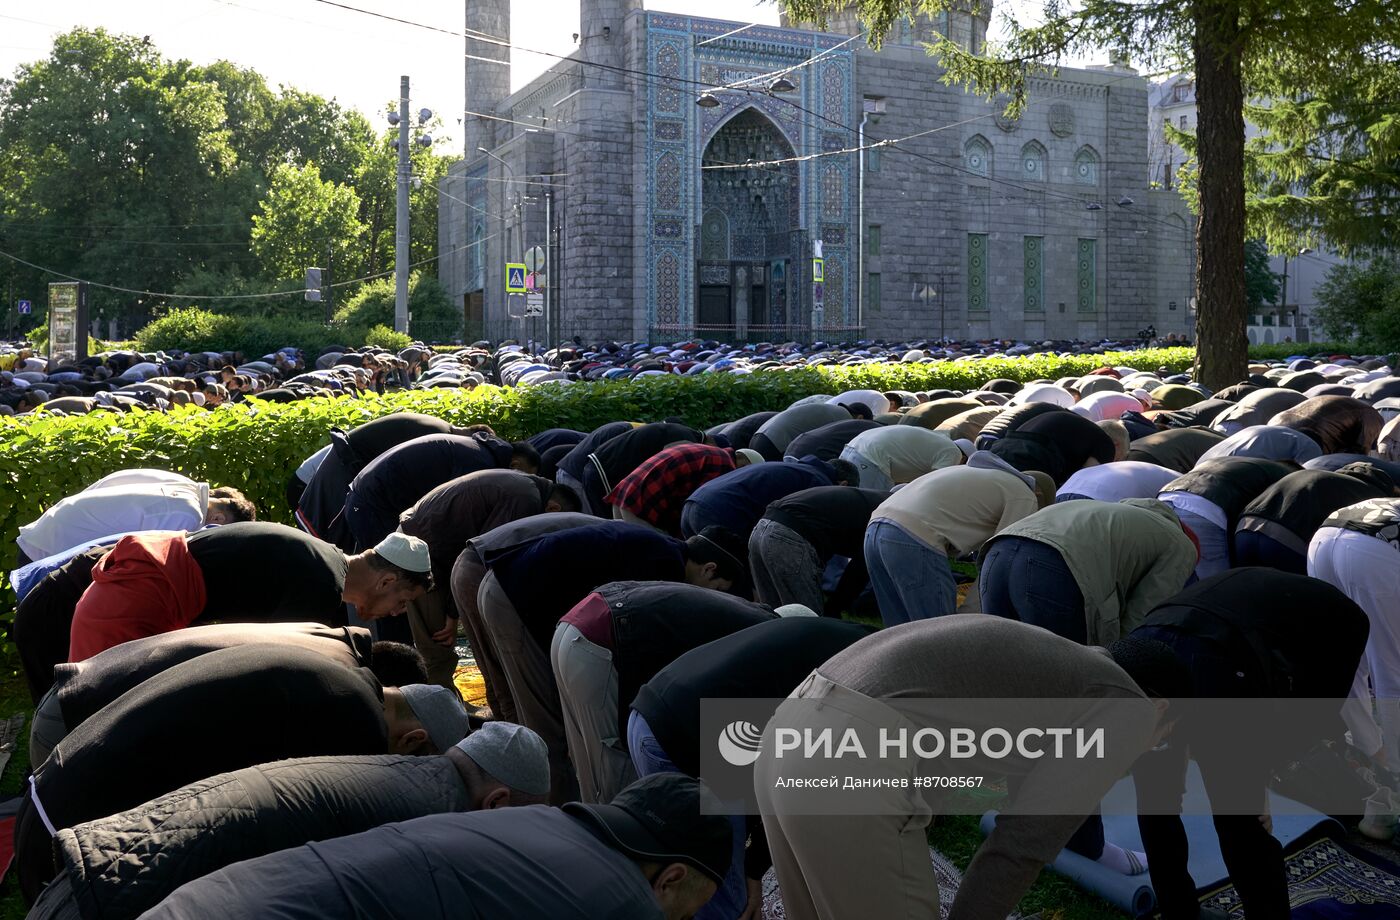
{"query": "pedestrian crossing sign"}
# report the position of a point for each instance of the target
(515, 278)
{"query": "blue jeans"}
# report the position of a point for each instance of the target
(1255, 548)
(1214, 541)
(1026, 580)
(912, 580)
(732, 898)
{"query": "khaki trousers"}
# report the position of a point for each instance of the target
(428, 615)
(588, 692)
(467, 575)
(531, 682)
(842, 866)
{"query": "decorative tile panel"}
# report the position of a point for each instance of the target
(1088, 275)
(976, 272)
(703, 221)
(1034, 274)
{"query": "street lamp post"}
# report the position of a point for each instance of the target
(404, 175)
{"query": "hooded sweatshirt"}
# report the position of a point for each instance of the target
(148, 584)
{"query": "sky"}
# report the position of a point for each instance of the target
(312, 45)
(355, 58)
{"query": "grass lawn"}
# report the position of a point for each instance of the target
(1054, 897)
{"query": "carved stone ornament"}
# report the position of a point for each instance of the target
(1061, 120)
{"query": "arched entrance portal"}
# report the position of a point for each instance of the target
(748, 228)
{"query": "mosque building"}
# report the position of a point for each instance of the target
(681, 176)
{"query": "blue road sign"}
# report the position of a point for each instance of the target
(25, 307)
(515, 278)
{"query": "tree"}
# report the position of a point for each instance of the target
(122, 167)
(377, 183)
(109, 162)
(1361, 301)
(1325, 164)
(305, 221)
(1261, 284)
(1232, 46)
(435, 317)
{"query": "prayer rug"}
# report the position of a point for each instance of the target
(471, 685)
(949, 878)
(1328, 880)
(1133, 893)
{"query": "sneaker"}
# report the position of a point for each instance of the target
(1379, 820)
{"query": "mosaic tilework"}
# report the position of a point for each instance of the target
(668, 64)
(668, 303)
(668, 182)
(475, 194)
(976, 272)
(1088, 275)
(833, 181)
(1033, 300)
(800, 201)
(714, 236)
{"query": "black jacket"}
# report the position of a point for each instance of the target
(121, 866)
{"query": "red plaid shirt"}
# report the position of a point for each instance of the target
(656, 490)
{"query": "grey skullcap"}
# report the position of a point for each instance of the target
(512, 753)
(440, 711)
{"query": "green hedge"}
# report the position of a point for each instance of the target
(256, 446)
(1279, 351)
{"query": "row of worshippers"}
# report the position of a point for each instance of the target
(572, 616)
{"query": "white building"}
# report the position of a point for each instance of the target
(1173, 102)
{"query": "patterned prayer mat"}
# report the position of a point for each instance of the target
(948, 880)
(471, 685)
(1329, 881)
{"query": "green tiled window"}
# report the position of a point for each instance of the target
(977, 272)
(1034, 293)
(872, 290)
(1088, 275)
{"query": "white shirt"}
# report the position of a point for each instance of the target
(1107, 405)
(906, 452)
(142, 477)
(94, 513)
(1198, 505)
(1113, 482)
(1043, 392)
(311, 464)
(875, 401)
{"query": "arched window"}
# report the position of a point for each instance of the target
(977, 156)
(1033, 162)
(1086, 166)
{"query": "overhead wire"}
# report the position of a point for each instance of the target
(651, 78)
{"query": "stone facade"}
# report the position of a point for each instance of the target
(671, 218)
